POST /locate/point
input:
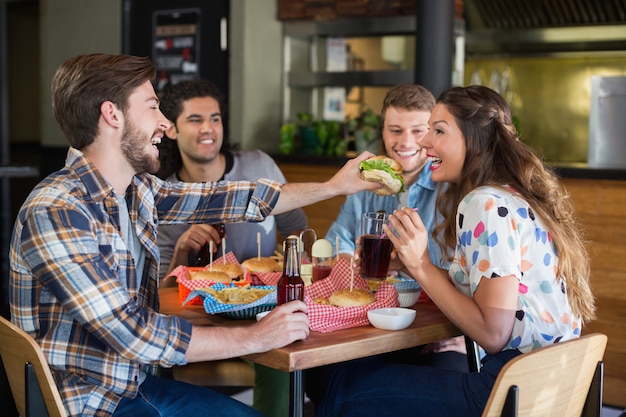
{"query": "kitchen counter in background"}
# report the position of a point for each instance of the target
(581, 171)
(599, 198)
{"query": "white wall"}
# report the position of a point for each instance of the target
(69, 28)
(255, 77)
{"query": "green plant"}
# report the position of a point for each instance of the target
(331, 137)
(368, 122)
(366, 131)
(310, 136)
(287, 142)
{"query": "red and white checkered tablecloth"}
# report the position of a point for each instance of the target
(267, 278)
(327, 318)
(186, 285)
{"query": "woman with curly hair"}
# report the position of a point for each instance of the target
(518, 279)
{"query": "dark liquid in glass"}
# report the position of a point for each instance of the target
(320, 272)
(289, 288)
(375, 256)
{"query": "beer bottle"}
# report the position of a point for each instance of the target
(290, 286)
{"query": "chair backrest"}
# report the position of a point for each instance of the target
(18, 348)
(551, 381)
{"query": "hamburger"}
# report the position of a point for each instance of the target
(384, 170)
(355, 298)
(234, 271)
(262, 265)
(206, 275)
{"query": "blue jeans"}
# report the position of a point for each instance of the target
(317, 379)
(380, 389)
(165, 397)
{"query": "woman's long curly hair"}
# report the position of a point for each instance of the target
(495, 156)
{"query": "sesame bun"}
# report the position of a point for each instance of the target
(233, 270)
(217, 276)
(390, 177)
(262, 265)
(355, 298)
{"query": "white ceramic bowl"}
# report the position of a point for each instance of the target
(409, 297)
(391, 318)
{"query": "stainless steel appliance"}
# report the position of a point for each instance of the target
(607, 122)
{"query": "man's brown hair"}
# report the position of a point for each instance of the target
(410, 97)
(81, 84)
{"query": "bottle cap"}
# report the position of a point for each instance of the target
(322, 249)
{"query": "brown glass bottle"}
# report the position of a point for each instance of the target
(202, 258)
(290, 286)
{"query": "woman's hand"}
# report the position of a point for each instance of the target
(410, 240)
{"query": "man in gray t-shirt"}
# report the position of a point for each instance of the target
(195, 151)
(241, 237)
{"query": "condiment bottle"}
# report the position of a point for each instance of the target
(322, 259)
(290, 286)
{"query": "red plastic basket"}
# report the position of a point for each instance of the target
(186, 285)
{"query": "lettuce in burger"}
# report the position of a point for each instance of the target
(384, 170)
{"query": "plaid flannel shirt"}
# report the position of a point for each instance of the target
(73, 285)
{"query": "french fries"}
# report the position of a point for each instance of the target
(238, 295)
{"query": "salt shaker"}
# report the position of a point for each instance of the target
(322, 259)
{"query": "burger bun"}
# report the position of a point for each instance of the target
(206, 275)
(390, 184)
(355, 298)
(262, 265)
(233, 270)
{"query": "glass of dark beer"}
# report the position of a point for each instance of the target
(375, 246)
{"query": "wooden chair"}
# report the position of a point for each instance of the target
(34, 390)
(562, 380)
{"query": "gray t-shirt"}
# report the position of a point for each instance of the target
(241, 237)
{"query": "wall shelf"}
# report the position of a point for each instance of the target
(312, 79)
(396, 25)
(304, 59)
(304, 54)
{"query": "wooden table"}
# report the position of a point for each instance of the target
(320, 349)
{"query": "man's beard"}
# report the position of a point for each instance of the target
(133, 149)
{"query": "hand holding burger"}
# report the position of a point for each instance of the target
(384, 170)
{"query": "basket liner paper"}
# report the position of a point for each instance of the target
(186, 285)
(213, 306)
(263, 278)
(327, 318)
(406, 284)
(409, 284)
